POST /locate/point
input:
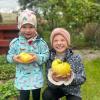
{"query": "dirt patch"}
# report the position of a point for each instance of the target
(88, 54)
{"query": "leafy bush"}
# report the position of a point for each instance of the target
(78, 41)
(7, 71)
(8, 90)
(46, 36)
(3, 59)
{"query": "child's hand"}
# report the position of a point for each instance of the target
(60, 78)
(16, 58)
(55, 77)
(34, 58)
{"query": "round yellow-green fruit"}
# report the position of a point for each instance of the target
(61, 68)
(25, 57)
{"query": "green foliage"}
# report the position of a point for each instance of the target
(70, 13)
(46, 37)
(7, 70)
(78, 41)
(74, 15)
(8, 90)
(93, 12)
(3, 59)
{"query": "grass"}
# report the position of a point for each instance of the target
(90, 90)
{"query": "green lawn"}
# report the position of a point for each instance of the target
(90, 90)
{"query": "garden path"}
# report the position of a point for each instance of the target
(88, 54)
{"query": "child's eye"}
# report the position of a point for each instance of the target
(55, 40)
(62, 40)
(32, 26)
(23, 26)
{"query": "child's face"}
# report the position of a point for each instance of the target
(59, 43)
(28, 31)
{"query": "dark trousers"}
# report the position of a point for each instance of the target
(50, 94)
(25, 94)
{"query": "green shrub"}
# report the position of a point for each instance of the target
(3, 59)
(8, 90)
(7, 71)
(46, 36)
(78, 41)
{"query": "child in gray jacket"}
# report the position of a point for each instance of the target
(69, 85)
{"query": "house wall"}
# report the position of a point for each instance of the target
(7, 33)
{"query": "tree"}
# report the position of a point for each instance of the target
(29, 3)
(71, 14)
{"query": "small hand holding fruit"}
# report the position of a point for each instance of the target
(25, 58)
(61, 70)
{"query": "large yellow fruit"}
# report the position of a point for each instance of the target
(25, 57)
(60, 67)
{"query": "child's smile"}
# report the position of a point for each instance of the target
(60, 43)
